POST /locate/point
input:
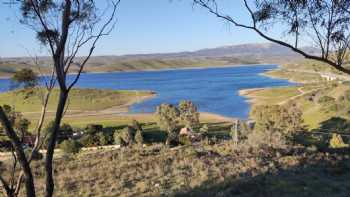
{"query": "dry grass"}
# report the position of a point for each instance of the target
(202, 170)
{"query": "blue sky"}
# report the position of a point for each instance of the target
(144, 26)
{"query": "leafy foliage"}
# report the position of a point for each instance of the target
(188, 114)
(70, 146)
(19, 123)
(93, 128)
(204, 129)
(82, 15)
(125, 137)
(326, 99)
(65, 133)
(275, 125)
(285, 119)
(25, 77)
(139, 139)
(167, 117)
(89, 140)
(102, 139)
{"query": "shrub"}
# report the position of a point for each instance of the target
(125, 136)
(172, 139)
(204, 129)
(275, 125)
(326, 99)
(118, 140)
(285, 119)
(335, 107)
(19, 123)
(26, 77)
(102, 139)
(168, 119)
(136, 125)
(88, 140)
(93, 128)
(240, 131)
(260, 138)
(188, 114)
(70, 146)
(65, 133)
(234, 134)
(139, 137)
(129, 134)
(185, 140)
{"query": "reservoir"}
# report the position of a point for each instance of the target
(214, 90)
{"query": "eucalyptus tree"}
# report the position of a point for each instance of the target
(66, 28)
(294, 24)
(168, 119)
(189, 114)
(25, 77)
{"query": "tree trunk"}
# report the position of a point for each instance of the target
(52, 143)
(37, 144)
(28, 176)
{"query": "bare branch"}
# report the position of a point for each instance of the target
(102, 32)
(325, 58)
(19, 152)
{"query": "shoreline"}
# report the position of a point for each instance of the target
(181, 68)
(247, 93)
(244, 92)
(166, 69)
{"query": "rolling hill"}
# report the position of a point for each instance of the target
(219, 56)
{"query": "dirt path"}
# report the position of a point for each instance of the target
(302, 93)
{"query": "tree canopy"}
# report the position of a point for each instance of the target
(26, 77)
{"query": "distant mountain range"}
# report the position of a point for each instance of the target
(252, 50)
(219, 56)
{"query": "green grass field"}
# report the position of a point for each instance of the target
(84, 106)
(299, 77)
(90, 106)
(79, 99)
(271, 96)
(314, 112)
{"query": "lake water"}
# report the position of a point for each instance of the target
(214, 90)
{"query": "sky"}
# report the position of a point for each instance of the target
(144, 26)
